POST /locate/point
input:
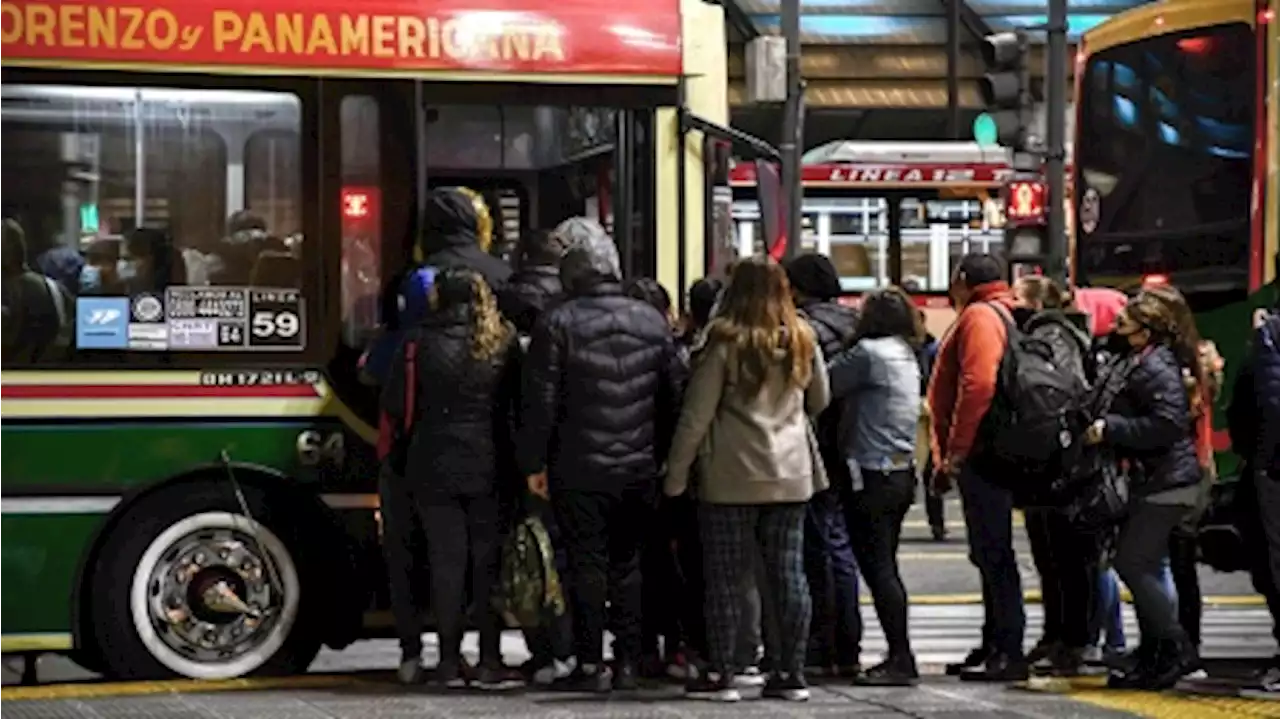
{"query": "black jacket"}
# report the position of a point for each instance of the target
(834, 326)
(528, 293)
(1150, 423)
(601, 391)
(1070, 345)
(450, 239)
(460, 440)
(833, 323)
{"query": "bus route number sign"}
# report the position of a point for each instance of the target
(277, 320)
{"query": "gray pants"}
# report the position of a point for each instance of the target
(1142, 551)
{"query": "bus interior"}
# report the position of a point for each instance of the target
(239, 180)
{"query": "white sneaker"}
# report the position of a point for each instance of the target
(749, 678)
(553, 672)
(1092, 655)
(1270, 680)
(410, 671)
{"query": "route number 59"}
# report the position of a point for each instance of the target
(268, 324)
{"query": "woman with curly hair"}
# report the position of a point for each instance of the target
(451, 392)
(1151, 426)
(747, 421)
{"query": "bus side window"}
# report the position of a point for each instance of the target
(122, 193)
(361, 220)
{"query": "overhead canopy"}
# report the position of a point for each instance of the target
(845, 22)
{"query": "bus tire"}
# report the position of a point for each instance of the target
(150, 600)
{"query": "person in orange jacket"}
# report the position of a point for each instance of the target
(960, 394)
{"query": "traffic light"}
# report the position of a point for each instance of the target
(1026, 226)
(1006, 87)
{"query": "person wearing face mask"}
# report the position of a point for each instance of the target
(150, 263)
(99, 275)
(1151, 427)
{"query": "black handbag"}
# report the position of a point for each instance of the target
(1103, 498)
(1098, 494)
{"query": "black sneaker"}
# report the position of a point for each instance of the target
(1043, 650)
(449, 674)
(892, 672)
(624, 677)
(999, 667)
(713, 686)
(975, 658)
(789, 687)
(498, 678)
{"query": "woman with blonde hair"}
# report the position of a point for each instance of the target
(451, 394)
(1151, 428)
(747, 420)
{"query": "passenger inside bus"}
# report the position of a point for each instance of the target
(149, 262)
(38, 310)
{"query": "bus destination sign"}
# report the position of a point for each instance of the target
(207, 319)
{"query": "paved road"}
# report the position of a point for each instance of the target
(945, 623)
(378, 700)
(939, 570)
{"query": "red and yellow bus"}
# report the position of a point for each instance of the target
(189, 487)
(892, 213)
(1176, 175)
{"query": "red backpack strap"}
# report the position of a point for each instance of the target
(410, 382)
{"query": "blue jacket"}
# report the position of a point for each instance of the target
(876, 385)
(1150, 423)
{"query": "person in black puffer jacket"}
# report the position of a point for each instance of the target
(1151, 425)
(836, 632)
(1066, 558)
(536, 285)
(450, 237)
(459, 406)
(601, 396)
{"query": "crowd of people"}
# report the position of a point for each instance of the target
(713, 485)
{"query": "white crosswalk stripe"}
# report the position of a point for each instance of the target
(941, 634)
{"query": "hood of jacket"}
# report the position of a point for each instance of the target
(449, 220)
(1044, 318)
(833, 323)
(1102, 304)
(592, 256)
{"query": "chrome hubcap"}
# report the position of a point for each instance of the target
(210, 596)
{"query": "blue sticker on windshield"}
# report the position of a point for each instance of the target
(102, 323)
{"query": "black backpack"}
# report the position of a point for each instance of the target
(1034, 422)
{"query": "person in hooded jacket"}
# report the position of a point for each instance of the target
(601, 394)
(536, 284)
(456, 404)
(1065, 557)
(1151, 426)
(451, 236)
(836, 630)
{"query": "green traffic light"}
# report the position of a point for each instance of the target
(984, 129)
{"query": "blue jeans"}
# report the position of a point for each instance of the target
(836, 632)
(988, 518)
(1110, 622)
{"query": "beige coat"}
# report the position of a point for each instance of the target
(750, 450)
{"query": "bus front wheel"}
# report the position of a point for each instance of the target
(189, 585)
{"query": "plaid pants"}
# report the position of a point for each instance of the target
(730, 533)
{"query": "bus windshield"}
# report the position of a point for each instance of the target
(1163, 156)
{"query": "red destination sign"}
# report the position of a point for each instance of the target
(326, 36)
(881, 174)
